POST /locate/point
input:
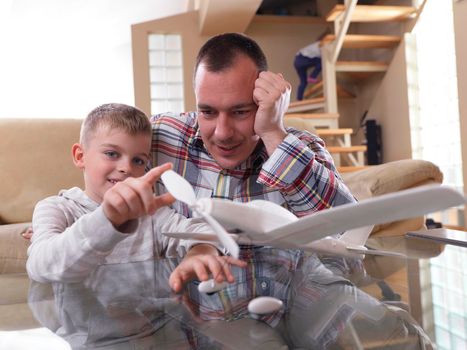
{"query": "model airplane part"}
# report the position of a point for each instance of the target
(327, 245)
(263, 223)
(182, 190)
(257, 216)
(211, 286)
(266, 223)
(264, 305)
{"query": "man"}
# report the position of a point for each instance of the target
(236, 146)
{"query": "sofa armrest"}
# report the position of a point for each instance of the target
(392, 177)
(13, 248)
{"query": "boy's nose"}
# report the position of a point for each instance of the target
(124, 167)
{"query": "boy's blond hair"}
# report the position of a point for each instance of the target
(115, 116)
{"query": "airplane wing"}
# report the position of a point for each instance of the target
(257, 216)
(241, 238)
(197, 236)
(377, 210)
(306, 232)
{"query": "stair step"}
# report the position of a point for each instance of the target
(312, 121)
(318, 89)
(373, 13)
(353, 41)
(313, 115)
(361, 66)
(333, 132)
(350, 149)
(306, 105)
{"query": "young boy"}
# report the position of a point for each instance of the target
(117, 218)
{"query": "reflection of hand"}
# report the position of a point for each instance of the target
(134, 197)
(192, 307)
(272, 95)
(200, 266)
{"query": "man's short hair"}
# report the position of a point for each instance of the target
(219, 52)
(115, 116)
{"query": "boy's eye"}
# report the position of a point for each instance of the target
(139, 161)
(111, 154)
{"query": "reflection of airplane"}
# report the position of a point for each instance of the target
(261, 222)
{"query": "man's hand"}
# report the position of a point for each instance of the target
(200, 262)
(134, 197)
(272, 95)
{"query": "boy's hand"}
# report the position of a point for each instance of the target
(201, 266)
(134, 197)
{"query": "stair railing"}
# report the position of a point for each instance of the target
(330, 53)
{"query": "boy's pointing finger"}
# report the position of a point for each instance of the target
(155, 173)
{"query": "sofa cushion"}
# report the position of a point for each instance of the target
(13, 250)
(391, 177)
(14, 308)
(36, 163)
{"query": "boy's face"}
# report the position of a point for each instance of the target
(110, 156)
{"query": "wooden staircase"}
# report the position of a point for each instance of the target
(372, 13)
(319, 112)
(355, 41)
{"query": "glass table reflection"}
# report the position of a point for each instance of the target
(329, 303)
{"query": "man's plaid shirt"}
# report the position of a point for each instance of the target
(300, 175)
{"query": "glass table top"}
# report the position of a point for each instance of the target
(417, 302)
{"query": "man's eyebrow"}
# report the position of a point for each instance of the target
(204, 106)
(244, 105)
(238, 106)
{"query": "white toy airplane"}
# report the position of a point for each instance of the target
(261, 222)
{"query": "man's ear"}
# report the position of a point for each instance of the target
(78, 155)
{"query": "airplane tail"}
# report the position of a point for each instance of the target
(356, 236)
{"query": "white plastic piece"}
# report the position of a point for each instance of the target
(179, 187)
(257, 216)
(264, 305)
(266, 227)
(389, 207)
(211, 286)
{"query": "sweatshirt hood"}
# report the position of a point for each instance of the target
(76, 194)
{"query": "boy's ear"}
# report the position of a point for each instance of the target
(78, 155)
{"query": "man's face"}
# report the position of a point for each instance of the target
(226, 111)
(110, 156)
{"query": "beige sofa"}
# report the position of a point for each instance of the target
(36, 162)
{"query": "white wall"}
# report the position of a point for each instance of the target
(62, 58)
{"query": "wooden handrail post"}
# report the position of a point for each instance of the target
(343, 27)
(329, 80)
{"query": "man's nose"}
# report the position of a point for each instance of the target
(224, 127)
